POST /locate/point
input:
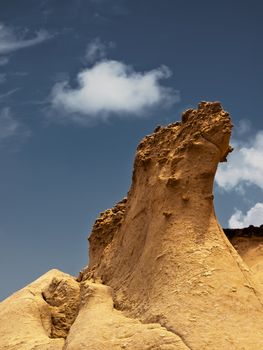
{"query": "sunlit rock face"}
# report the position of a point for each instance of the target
(162, 274)
(40, 315)
(168, 260)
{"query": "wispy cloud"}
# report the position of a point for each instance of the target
(11, 128)
(97, 50)
(253, 216)
(20, 74)
(11, 40)
(8, 94)
(244, 166)
(112, 87)
(243, 127)
(113, 7)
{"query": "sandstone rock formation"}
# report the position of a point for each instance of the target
(162, 274)
(169, 260)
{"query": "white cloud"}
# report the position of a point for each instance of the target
(10, 127)
(4, 60)
(244, 166)
(97, 50)
(254, 216)
(11, 41)
(112, 87)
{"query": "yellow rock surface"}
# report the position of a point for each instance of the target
(27, 320)
(168, 260)
(99, 326)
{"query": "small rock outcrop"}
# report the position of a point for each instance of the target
(40, 315)
(162, 274)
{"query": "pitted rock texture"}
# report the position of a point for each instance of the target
(104, 230)
(62, 295)
(39, 316)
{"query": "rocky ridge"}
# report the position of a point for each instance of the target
(162, 274)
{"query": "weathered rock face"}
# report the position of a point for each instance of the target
(168, 260)
(99, 326)
(40, 315)
(162, 274)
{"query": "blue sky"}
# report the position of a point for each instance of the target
(81, 82)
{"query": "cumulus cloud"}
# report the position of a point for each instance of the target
(112, 87)
(10, 128)
(11, 41)
(97, 50)
(254, 216)
(244, 167)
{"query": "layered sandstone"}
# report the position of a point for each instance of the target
(162, 274)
